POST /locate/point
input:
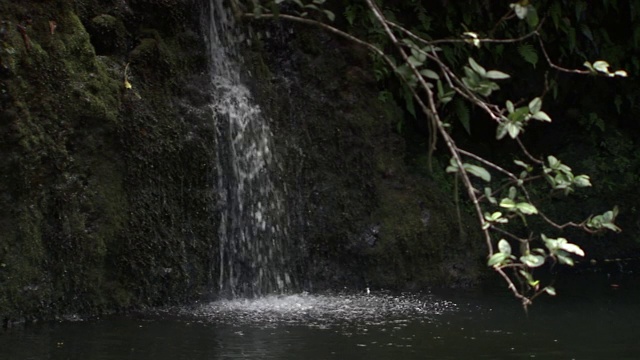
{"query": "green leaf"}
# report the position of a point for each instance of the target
(501, 131)
(535, 105)
(485, 88)
(617, 101)
(330, 15)
(570, 248)
(607, 216)
(471, 78)
(451, 169)
(556, 13)
(413, 61)
(564, 259)
(495, 216)
(408, 99)
(601, 66)
(463, 115)
(497, 259)
(311, 6)
(532, 17)
(526, 208)
(409, 42)
(582, 181)
(496, 75)
(478, 171)
(504, 247)
(521, 163)
(519, 115)
(430, 74)
(530, 280)
(560, 247)
(415, 52)
(532, 260)
(521, 11)
(472, 38)
(257, 10)
(444, 95)
(350, 14)
(487, 194)
(512, 192)
(507, 203)
(586, 31)
(510, 107)
(513, 129)
(550, 290)
(528, 53)
(589, 66)
(453, 166)
(553, 162)
(611, 227)
(565, 170)
(477, 68)
(542, 116)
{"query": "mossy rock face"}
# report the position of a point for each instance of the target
(418, 241)
(102, 203)
(108, 34)
(60, 109)
(166, 15)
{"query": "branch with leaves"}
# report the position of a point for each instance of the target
(433, 83)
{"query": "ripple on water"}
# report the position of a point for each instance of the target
(322, 310)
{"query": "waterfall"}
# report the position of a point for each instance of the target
(252, 234)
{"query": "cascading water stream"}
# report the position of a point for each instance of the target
(252, 232)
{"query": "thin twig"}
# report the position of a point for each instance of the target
(581, 225)
(559, 68)
(525, 300)
(488, 163)
(526, 152)
(452, 41)
(505, 232)
(320, 24)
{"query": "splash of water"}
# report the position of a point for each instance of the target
(322, 310)
(252, 232)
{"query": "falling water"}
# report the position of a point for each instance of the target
(252, 228)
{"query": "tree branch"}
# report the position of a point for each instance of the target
(429, 107)
(559, 68)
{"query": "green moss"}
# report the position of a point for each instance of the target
(87, 161)
(20, 269)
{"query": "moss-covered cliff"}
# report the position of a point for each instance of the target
(105, 189)
(107, 186)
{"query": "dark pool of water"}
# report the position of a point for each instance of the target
(598, 323)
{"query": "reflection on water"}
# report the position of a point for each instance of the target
(464, 326)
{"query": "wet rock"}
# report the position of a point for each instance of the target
(108, 35)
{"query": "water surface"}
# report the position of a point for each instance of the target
(602, 324)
